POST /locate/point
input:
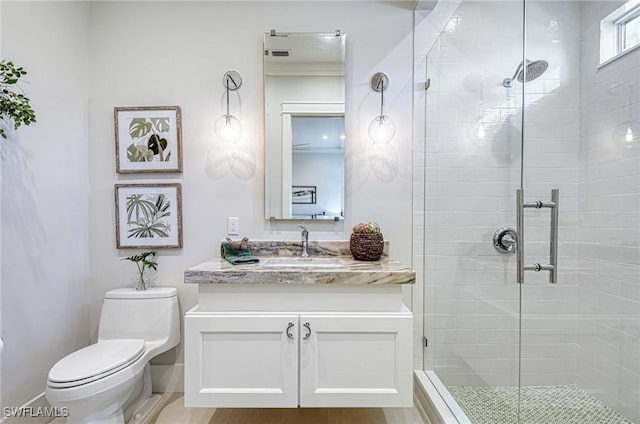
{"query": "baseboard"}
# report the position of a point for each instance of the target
(35, 411)
(167, 378)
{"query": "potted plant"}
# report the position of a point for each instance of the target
(145, 261)
(14, 105)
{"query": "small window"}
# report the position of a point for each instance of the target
(620, 32)
(628, 29)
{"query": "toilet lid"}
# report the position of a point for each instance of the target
(95, 362)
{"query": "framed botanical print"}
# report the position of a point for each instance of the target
(148, 215)
(148, 139)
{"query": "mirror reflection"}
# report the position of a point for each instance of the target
(304, 125)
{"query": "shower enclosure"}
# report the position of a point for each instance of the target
(527, 209)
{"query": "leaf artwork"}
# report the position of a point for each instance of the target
(149, 140)
(146, 215)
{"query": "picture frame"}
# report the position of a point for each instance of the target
(303, 195)
(148, 139)
(148, 216)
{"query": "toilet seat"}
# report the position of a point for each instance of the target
(95, 362)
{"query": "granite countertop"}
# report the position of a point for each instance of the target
(346, 271)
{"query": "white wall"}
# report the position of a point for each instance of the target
(609, 228)
(1, 340)
(125, 54)
(176, 53)
(45, 188)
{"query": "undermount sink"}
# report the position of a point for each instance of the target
(298, 262)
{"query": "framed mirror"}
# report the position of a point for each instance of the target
(304, 88)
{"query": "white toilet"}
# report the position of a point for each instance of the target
(109, 382)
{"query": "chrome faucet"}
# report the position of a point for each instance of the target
(305, 241)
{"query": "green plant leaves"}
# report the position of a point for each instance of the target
(156, 144)
(148, 211)
(140, 207)
(139, 153)
(155, 229)
(161, 124)
(139, 127)
(14, 107)
(142, 262)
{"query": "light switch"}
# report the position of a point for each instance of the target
(233, 226)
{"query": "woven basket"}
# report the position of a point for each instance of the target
(366, 246)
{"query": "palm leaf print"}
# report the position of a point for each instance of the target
(145, 215)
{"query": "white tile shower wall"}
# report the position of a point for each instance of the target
(471, 297)
(551, 118)
(608, 341)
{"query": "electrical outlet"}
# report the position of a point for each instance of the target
(233, 226)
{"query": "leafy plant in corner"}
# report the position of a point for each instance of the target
(14, 106)
(143, 261)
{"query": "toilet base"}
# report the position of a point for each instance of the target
(145, 410)
(115, 418)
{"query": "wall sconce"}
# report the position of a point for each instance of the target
(382, 128)
(227, 127)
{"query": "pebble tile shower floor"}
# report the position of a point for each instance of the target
(539, 405)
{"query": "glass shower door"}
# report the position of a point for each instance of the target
(472, 162)
(580, 339)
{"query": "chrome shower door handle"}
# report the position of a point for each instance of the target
(520, 235)
(553, 247)
(552, 266)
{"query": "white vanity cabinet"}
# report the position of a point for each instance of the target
(241, 360)
(359, 360)
(289, 346)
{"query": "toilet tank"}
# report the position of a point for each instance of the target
(151, 315)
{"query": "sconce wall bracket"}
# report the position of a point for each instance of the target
(232, 80)
(379, 81)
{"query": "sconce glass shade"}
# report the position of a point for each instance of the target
(630, 136)
(627, 135)
(382, 129)
(228, 128)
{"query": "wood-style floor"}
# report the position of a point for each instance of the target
(174, 412)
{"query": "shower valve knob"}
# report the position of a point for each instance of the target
(505, 240)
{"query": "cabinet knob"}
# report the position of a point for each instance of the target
(289, 327)
(308, 327)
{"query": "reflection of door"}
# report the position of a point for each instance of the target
(290, 113)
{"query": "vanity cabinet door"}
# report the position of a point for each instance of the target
(356, 360)
(241, 360)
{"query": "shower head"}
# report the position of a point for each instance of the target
(533, 71)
